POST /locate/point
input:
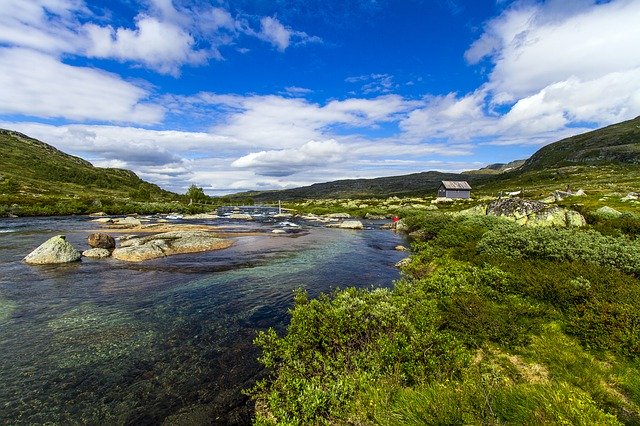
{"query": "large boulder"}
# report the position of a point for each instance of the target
(55, 250)
(137, 249)
(102, 241)
(608, 212)
(528, 212)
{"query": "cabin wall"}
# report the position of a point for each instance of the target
(461, 193)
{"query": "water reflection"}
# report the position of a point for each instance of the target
(168, 340)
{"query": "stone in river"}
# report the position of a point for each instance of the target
(96, 253)
(351, 224)
(168, 243)
(55, 250)
(103, 241)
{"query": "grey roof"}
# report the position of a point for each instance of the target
(450, 184)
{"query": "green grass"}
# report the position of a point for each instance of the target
(476, 332)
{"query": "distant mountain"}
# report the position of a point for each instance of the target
(615, 144)
(498, 168)
(29, 166)
(424, 183)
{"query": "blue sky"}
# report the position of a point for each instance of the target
(268, 94)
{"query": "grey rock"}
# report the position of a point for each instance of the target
(97, 253)
(351, 224)
(137, 249)
(55, 250)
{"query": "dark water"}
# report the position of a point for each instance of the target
(167, 341)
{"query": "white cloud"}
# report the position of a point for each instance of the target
(374, 83)
(161, 46)
(539, 45)
(162, 37)
(274, 32)
(35, 84)
(285, 162)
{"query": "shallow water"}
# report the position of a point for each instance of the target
(167, 341)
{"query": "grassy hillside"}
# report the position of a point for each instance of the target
(615, 144)
(37, 179)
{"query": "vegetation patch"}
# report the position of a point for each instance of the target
(491, 323)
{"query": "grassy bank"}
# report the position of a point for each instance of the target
(491, 323)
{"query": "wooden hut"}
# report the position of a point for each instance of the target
(454, 189)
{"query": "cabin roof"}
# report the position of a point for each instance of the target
(453, 184)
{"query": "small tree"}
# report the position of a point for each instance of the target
(196, 194)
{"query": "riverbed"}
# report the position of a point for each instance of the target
(165, 341)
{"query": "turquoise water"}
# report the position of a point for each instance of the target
(167, 341)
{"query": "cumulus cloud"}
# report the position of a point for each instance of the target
(161, 46)
(538, 45)
(285, 162)
(162, 38)
(36, 84)
(274, 32)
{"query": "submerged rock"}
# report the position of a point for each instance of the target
(338, 215)
(55, 250)
(96, 253)
(102, 241)
(137, 249)
(240, 216)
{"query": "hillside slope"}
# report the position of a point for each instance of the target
(615, 144)
(28, 166)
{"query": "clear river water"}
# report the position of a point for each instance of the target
(166, 341)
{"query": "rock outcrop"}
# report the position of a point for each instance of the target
(55, 250)
(102, 241)
(349, 224)
(137, 249)
(607, 211)
(528, 212)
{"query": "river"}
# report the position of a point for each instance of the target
(166, 341)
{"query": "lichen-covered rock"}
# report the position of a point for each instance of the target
(575, 219)
(55, 250)
(516, 207)
(551, 216)
(527, 212)
(96, 253)
(607, 211)
(102, 241)
(479, 210)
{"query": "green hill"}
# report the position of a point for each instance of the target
(615, 144)
(36, 178)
